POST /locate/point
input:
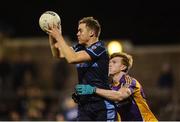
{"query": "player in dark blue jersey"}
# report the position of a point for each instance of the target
(126, 91)
(91, 59)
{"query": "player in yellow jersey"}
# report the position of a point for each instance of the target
(126, 91)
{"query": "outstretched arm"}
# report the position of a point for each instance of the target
(120, 95)
(123, 93)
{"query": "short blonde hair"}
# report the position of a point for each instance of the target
(127, 59)
(93, 24)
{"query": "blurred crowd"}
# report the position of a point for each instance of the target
(23, 99)
(23, 95)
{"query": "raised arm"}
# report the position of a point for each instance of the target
(55, 51)
(70, 55)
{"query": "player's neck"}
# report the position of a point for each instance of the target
(118, 76)
(91, 41)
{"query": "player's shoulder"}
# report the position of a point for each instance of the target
(100, 44)
(97, 47)
(136, 82)
(134, 79)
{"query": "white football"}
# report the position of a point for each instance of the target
(49, 18)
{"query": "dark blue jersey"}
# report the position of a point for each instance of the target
(94, 72)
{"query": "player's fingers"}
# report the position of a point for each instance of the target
(47, 30)
(76, 88)
(50, 27)
(80, 92)
(79, 87)
(128, 81)
(54, 26)
(122, 85)
(59, 25)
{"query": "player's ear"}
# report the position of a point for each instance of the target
(91, 33)
(123, 67)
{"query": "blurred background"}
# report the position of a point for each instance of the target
(35, 86)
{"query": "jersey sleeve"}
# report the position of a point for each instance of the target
(95, 51)
(78, 47)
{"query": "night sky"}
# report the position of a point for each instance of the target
(144, 22)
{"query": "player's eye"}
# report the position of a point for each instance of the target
(114, 62)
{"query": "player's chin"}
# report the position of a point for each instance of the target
(81, 42)
(110, 73)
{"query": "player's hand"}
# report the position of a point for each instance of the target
(127, 83)
(54, 31)
(85, 89)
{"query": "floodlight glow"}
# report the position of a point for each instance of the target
(114, 46)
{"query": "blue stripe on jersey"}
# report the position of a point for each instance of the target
(82, 65)
(95, 65)
(86, 65)
(95, 53)
(111, 113)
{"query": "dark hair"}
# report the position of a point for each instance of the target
(126, 59)
(92, 24)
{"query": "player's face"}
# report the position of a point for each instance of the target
(83, 34)
(115, 66)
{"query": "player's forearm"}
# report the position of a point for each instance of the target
(112, 95)
(54, 50)
(67, 52)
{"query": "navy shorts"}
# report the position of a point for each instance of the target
(102, 110)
